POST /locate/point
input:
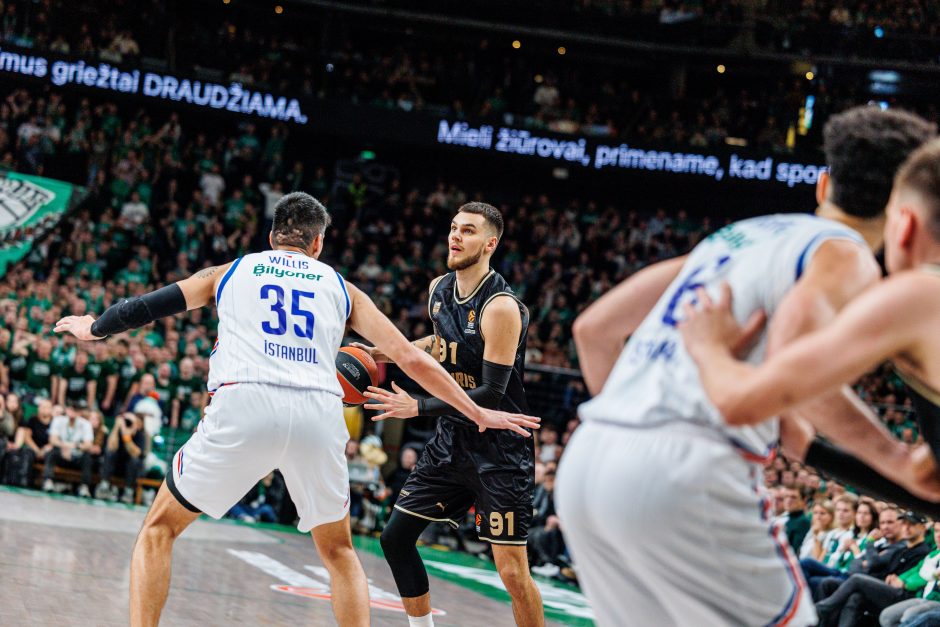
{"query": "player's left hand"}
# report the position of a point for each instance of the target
(399, 404)
(79, 326)
(713, 325)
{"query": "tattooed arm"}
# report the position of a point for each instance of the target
(200, 288)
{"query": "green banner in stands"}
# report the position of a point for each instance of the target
(29, 207)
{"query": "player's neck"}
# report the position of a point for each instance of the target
(871, 229)
(469, 278)
(293, 249)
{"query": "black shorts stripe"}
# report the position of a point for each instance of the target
(171, 484)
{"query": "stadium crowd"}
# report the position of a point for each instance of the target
(165, 200)
(464, 78)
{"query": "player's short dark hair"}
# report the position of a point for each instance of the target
(864, 148)
(490, 213)
(921, 173)
(298, 219)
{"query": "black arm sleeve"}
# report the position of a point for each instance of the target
(489, 394)
(135, 312)
(846, 468)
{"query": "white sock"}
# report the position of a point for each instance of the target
(421, 621)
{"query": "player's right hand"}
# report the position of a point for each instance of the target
(495, 419)
(79, 326)
(377, 355)
(713, 325)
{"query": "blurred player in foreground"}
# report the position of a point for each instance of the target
(894, 320)
(690, 482)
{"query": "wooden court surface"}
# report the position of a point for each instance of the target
(65, 562)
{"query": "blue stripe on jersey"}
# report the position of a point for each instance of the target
(228, 275)
(342, 284)
(813, 243)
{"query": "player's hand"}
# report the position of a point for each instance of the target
(399, 404)
(713, 325)
(79, 326)
(374, 352)
(495, 419)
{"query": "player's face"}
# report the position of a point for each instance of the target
(468, 240)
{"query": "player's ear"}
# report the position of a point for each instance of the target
(822, 187)
(271, 239)
(317, 246)
(491, 244)
(908, 223)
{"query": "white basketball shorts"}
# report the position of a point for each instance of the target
(249, 430)
(668, 526)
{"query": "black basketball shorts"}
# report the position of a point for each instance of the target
(493, 471)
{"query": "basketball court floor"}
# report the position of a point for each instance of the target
(65, 561)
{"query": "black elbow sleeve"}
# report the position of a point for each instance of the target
(138, 311)
(489, 394)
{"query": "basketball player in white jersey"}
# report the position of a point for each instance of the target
(277, 402)
(895, 320)
(661, 500)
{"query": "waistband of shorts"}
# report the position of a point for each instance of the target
(277, 386)
(697, 429)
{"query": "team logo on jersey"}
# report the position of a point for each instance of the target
(471, 323)
(437, 308)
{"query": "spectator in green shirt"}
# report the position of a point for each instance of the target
(40, 371)
(797, 520)
(77, 386)
(185, 387)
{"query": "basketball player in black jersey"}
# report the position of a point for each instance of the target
(897, 320)
(479, 337)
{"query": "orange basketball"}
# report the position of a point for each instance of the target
(356, 371)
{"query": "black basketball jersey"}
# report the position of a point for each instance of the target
(457, 327)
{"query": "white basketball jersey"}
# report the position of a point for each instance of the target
(656, 381)
(282, 316)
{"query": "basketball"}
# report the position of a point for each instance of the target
(356, 371)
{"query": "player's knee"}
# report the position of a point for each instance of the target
(400, 535)
(157, 532)
(390, 540)
(515, 576)
(336, 552)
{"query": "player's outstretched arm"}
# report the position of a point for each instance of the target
(369, 322)
(601, 329)
(131, 313)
